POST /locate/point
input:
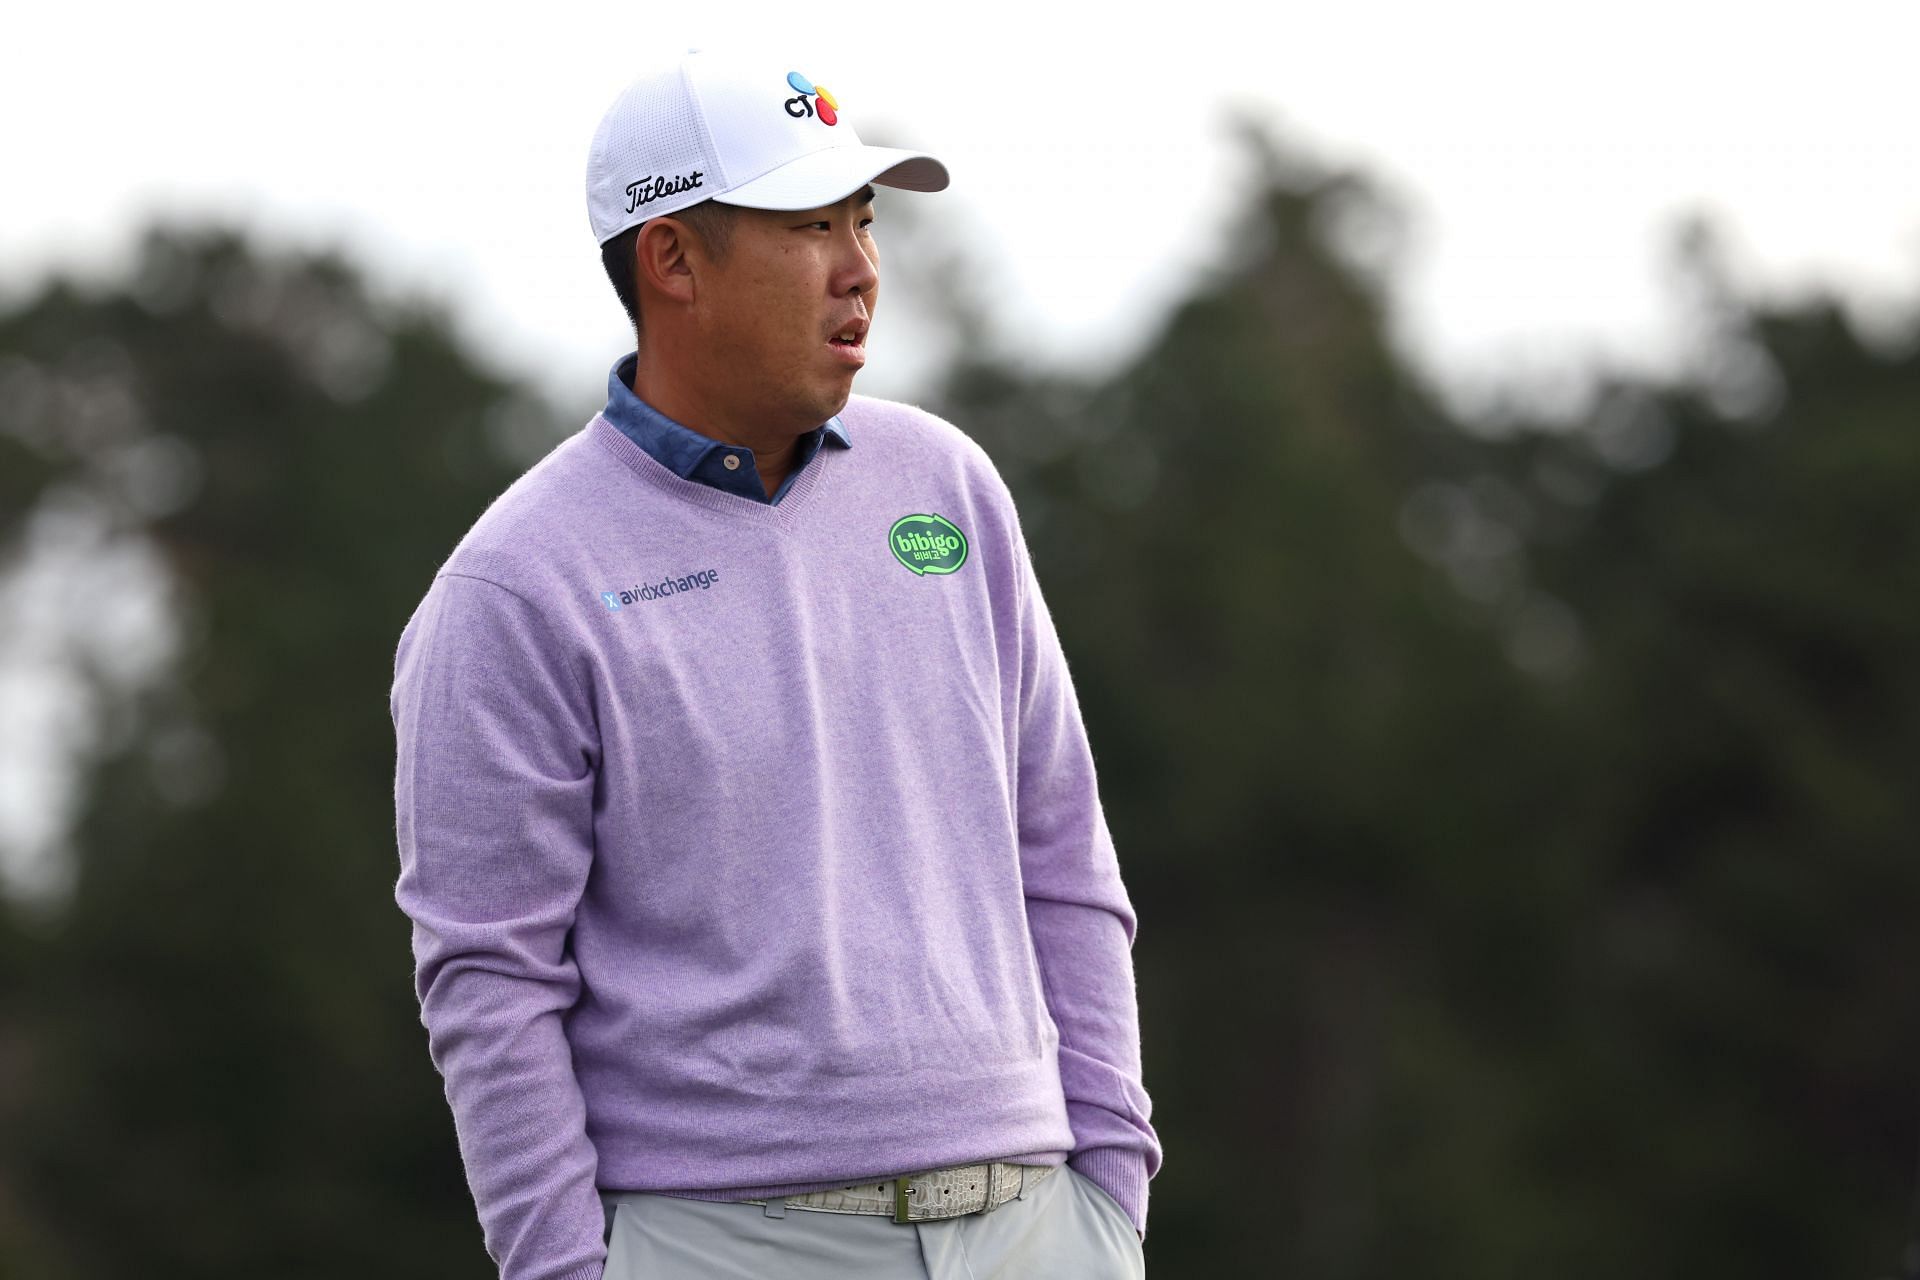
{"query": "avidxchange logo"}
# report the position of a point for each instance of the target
(927, 543)
(661, 589)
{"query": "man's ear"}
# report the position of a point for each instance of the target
(661, 262)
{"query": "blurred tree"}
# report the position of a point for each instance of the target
(1742, 554)
(1293, 717)
(1520, 825)
(215, 1050)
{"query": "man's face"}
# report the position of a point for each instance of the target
(792, 281)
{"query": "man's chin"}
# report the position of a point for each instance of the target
(821, 410)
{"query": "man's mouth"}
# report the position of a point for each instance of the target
(852, 334)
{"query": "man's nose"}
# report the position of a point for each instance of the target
(858, 271)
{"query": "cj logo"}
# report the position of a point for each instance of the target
(824, 105)
(927, 544)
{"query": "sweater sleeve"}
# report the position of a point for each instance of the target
(493, 793)
(1082, 922)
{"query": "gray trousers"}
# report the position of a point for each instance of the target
(1066, 1228)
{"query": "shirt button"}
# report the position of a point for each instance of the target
(731, 462)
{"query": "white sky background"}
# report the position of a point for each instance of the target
(1542, 152)
(1540, 149)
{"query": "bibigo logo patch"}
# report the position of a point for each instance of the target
(928, 544)
(824, 104)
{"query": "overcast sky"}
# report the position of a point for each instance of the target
(1542, 150)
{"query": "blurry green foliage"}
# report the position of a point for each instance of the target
(1521, 823)
(216, 1054)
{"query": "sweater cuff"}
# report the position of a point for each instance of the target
(1121, 1174)
(592, 1271)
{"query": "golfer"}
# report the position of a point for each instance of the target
(765, 918)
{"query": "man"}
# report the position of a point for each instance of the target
(765, 918)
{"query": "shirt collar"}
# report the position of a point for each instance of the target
(680, 449)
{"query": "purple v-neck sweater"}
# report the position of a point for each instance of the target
(752, 849)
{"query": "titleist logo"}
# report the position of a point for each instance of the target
(654, 186)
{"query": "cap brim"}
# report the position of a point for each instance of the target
(831, 174)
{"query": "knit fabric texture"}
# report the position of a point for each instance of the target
(756, 848)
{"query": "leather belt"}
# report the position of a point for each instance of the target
(941, 1193)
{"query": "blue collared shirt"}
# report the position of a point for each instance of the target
(692, 456)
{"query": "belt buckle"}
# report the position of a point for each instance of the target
(900, 1204)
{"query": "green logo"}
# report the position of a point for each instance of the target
(928, 544)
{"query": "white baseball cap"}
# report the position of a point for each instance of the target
(739, 129)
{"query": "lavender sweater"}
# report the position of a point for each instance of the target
(751, 849)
